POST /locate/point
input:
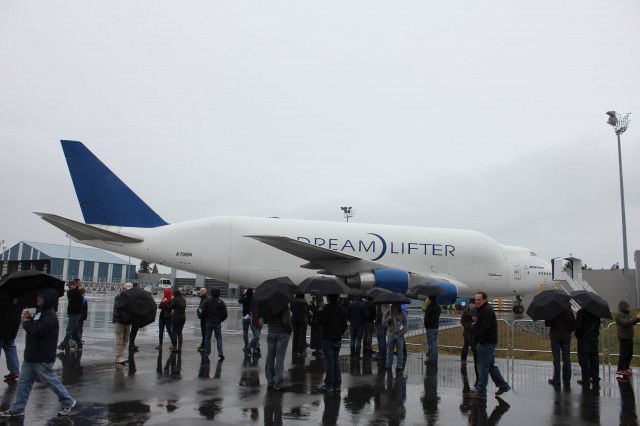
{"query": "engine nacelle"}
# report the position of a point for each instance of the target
(451, 293)
(395, 280)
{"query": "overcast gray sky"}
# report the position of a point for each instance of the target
(484, 115)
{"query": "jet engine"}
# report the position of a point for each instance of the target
(395, 280)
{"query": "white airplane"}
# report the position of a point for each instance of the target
(247, 250)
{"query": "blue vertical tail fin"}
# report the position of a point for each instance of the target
(103, 197)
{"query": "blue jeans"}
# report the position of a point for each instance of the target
(217, 329)
(398, 343)
(357, 332)
(73, 331)
(381, 335)
(254, 344)
(331, 352)
(246, 323)
(432, 343)
(274, 364)
(565, 347)
(11, 353)
(45, 374)
(487, 367)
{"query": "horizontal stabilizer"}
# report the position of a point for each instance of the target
(83, 232)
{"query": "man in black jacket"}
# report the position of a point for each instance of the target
(587, 333)
(215, 312)
(333, 320)
(41, 336)
(9, 324)
(432, 323)
(486, 329)
(299, 320)
(560, 329)
(74, 311)
(202, 294)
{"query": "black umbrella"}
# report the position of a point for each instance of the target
(138, 306)
(321, 286)
(422, 291)
(390, 297)
(373, 292)
(24, 285)
(273, 295)
(548, 304)
(592, 303)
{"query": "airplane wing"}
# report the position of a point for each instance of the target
(84, 232)
(331, 262)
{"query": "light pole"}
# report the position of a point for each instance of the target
(620, 125)
(348, 212)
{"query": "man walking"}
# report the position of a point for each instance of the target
(122, 330)
(486, 329)
(431, 323)
(560, 329)
(202, 294)
(41, 336)
(587, 333)
(74, 312)
(214, 312)
(333, 319)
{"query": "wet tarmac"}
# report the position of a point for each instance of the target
(160, 387)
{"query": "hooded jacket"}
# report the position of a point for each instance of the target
(214, 310)
(165, 307)
(624, 321)
(10, 312)
(42, 330)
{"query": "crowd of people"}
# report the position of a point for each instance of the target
(328, 323)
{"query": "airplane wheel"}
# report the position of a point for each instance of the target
(518, 309)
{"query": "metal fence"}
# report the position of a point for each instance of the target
(520, 338)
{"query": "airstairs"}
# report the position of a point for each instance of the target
(567, 272)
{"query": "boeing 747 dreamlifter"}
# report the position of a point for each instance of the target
(248, 250)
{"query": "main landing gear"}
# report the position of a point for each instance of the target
(517, 307)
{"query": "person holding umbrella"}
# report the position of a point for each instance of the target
(280, 329)
(560, 329)
(41, 336)
(9, 325)
(333, 319)
(121, 327)
(587, 333)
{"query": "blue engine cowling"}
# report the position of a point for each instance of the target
(395, 280)
(451, 293)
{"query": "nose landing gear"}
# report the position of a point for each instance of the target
(517, 307)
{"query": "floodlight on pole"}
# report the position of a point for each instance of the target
(620, 125)
(348, 212)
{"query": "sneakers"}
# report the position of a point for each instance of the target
(200, 349)
(325, 389)
(282, 388)
(66, 410)
(121, 360)
(584, 382)
(500, 391)
(337, 389)
(553, 382)
(9, 413)
(11, 377)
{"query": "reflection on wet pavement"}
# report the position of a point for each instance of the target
(163, 387)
